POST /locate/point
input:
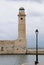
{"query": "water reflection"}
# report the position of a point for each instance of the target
(19, 59)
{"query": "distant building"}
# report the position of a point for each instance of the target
(19, 45)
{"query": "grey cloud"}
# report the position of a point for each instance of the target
(8, 31)
(27, 0)
(37, 0)
(36, 14)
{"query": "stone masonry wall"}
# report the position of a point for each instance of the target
(12, 47)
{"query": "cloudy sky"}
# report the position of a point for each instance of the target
(34, 10)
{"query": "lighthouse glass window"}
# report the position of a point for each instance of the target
(21, 18)
(21, 10)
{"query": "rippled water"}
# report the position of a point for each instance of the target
(19, 59)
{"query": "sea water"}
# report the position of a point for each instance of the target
(19, 59)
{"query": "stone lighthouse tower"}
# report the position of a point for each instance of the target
(22, 29)
(21, 24)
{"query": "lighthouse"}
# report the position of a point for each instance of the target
(21, 24)
(22, 29)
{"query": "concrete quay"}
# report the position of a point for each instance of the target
(33, 51)
(32, 63)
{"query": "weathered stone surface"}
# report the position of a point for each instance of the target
(16, 46)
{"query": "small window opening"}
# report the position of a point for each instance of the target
(21, 18)
(1, 48)
(17, 48)
(20, 40)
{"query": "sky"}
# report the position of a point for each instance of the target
(34, 10)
